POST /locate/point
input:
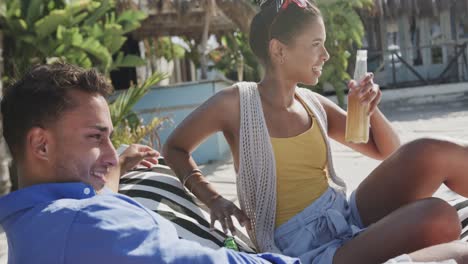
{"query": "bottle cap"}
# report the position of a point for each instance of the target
(362, 54)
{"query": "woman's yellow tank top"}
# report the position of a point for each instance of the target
(301, 175)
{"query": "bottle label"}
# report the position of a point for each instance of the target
(230, 243)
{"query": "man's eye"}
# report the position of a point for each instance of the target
(96, 136)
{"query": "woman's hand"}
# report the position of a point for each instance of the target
(367, 92)
(132, 156)
(223, 210)
(137, 155)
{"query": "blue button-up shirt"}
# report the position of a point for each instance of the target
(69, 223)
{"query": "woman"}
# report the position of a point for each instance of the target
(292, 201)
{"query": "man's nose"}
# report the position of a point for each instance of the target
(109, 154)
(326, 55)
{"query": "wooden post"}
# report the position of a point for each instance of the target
(5, 158)
(1, 61)
(383, 43)
(204, 40)
(392, 54)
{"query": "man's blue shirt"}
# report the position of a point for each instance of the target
(70, 223)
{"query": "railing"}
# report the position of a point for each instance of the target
(397, 71)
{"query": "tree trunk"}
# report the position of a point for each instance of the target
(204, 40)
(4, 154)
(1, 61)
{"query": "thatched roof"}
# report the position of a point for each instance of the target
(421, 8)
(187, 17)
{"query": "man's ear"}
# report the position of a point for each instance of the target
(38, 143)
(277, 51)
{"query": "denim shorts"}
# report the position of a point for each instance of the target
(314, 234)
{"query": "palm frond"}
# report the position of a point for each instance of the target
(124, 103)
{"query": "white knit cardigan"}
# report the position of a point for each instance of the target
(256, 178)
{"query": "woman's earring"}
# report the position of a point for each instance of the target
(282, 60)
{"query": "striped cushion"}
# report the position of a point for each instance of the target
(461, 205)
(161, 192)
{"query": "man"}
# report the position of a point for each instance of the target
(57, 125)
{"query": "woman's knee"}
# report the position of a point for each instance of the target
(427, 153)
(439, 221)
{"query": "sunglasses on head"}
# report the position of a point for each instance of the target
(283, 4)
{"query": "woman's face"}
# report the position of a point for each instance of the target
(306, 54)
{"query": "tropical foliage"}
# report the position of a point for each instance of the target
(345, 32)
(157, 49)
(164, 47)
(235, 58)
(88, 33)
(128, 126)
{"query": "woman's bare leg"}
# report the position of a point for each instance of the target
(412, 227)
(394, 199)
(413, 172)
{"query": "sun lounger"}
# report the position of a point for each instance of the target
(159, 190)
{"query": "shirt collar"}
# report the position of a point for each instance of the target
(42, 193)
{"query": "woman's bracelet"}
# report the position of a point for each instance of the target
(190, 174)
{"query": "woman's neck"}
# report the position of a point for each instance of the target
(276, 91)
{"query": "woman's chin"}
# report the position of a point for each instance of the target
(310, 82)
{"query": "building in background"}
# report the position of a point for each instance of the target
(413, 42)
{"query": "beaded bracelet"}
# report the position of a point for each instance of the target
(190, 174)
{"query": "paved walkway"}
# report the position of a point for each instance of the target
(414, 114)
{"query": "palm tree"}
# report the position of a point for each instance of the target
(128, 127)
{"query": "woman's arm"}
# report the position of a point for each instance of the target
(217, 114)
(193, 130)
(383, 139)
(133, 155)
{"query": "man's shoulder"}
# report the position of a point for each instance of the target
(75, 227)
(65, 203)
(97, 202)
(108, 207)
(62, 212)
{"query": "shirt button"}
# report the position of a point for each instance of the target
(86, 191)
